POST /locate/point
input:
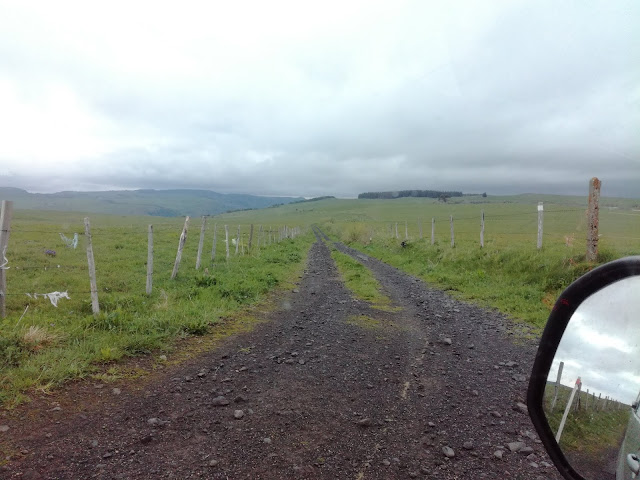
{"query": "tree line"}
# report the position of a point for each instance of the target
(411, 193)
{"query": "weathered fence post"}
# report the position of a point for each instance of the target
(540, 215)
(150, 260)
(599, 402)
(250, 239)
(555, 387)
(433, 230)
(592, 219)
(586, 401)
(453, 243)
(482, 230)
(577, 406)
(567, 409)
(181, 242)
(95, 306)
(397, 236)
(5, 229)
(201, 242)
(238, 240)
(226, 239)
(215, 241)
(406, 230)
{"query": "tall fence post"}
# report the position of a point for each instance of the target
(95, 306)
(226, 239)
(567, 409)
(556, 386)
(406, 230)
(238, 240)
(181, 242)
(540, 216)
(397, 236)
(5, 229)
(149, 259)
(482, 230)
(453, 243)
(592, 219)
(201, 242)
(215, 241)
(250, 239)
(433, 230)
(577, 406)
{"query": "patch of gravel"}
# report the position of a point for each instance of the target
(308, 395)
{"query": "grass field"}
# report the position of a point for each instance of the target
(590, 431)
(49, 345)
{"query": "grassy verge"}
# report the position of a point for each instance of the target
(360, 281)
(516, 279)
(50, 345)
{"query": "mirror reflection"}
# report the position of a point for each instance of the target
(593, 388)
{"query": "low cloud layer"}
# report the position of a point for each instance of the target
(333, 99)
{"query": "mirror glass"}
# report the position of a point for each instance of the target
(593, 388)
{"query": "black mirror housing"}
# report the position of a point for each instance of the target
(560, 315)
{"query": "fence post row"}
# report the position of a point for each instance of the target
(181, 242)
(555, 387)
(433, 230)
(150, 260)
(226, 239)
(592, 219)
(215, 241)
(482, 230)
(201, 241)
(453, 243)
(95, 306)
(540, 217)
(5, 230)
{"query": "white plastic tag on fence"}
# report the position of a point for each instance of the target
(4, 260)
(53, 296)
(70, 243)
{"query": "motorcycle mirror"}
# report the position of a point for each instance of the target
(585, 384)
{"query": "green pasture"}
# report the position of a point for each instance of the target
(42, 345)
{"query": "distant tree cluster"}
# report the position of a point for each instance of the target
(410, 193)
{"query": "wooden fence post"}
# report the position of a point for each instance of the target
(577, 406)
(453, 243)
(406, 230)
(555, 387)
(201, 242)
(592, 219)
(215, 241)
(95, 306)
(433, 230)
(586, 401)
(5, 229)
(599, 404)
(567, 409)
(540, 215)
(482, 230)
(250, 239)
(181, 242)
(238, 240)
(226, 239)
(150, 260)
(397, 236)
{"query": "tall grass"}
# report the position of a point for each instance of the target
(46, 345)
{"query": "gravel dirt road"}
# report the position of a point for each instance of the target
(433, 389)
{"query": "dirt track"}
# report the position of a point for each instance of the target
(321, 396)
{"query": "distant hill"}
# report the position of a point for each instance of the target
(166, 203)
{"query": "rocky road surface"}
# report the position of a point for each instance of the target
(434, 389)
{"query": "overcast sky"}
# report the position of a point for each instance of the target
(321, 98)
(601, 344)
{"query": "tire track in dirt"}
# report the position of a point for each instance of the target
(322, 396)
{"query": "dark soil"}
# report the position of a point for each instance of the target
(323, 394)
